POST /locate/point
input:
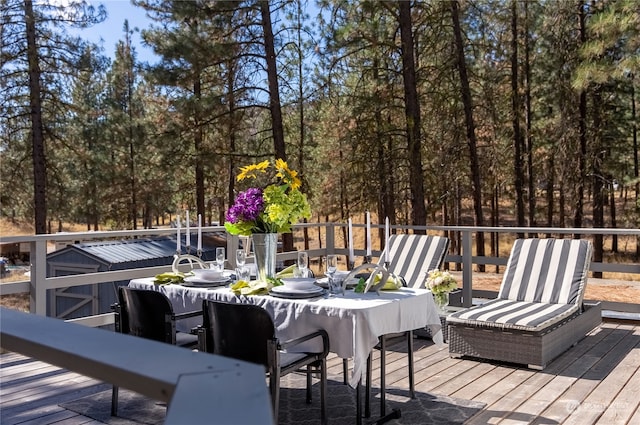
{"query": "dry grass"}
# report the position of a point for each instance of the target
(615, 287)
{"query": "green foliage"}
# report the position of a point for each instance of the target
(127, 140)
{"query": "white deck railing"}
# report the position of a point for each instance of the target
(39, 283)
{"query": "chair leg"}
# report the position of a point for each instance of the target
(323, 393)
(345, 371)
(367, 389)
(309, 372)
(274, 385)
(114, 401)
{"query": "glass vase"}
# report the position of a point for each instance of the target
(442, 301)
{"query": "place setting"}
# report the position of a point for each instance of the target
(213, 276)
(297, 288)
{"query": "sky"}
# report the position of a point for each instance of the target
(110, 31)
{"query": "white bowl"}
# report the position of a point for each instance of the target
(300, 283)
(207, 274)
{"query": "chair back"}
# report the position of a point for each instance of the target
(241, 331)
(413, 256)
(144, 313)
(547, 270)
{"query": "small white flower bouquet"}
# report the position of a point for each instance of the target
(440, 282)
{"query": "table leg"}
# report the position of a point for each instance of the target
(383, 375)
(384, 417)
(359, 403)
(412, 385)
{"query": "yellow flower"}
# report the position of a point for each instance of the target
(287, 175)
(250, 171)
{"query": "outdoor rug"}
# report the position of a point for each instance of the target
(425, 409)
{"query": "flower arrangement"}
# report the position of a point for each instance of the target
(441, 282)
(269, 208)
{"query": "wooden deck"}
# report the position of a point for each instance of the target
(595, 382)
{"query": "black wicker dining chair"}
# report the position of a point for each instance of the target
(246, 332)
(149, 314)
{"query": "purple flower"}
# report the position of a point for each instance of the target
(247, 206)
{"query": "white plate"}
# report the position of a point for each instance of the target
(282, 289)
(300, 283)
(196, 280)
(324, 282)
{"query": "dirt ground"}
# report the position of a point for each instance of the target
(597, 289)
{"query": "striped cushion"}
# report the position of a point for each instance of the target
(547, 270)
(517, 315)
(412, 256)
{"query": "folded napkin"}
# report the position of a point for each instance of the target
(170, 277)
(392, 283)
(288, 272)
(253, 287)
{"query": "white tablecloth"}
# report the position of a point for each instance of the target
(353, 321)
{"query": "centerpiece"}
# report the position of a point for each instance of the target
(441, 283)
(268, 207)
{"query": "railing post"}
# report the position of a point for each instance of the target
(467, 265)
(331, 238)
(38, 287)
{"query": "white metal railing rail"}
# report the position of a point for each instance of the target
(39, 283)
(199, 388)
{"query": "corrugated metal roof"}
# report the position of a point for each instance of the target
(115, 252)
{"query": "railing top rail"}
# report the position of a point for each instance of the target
(116, 358)
(65, 236)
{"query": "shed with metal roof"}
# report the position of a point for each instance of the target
(93, 257)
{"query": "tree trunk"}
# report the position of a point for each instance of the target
(598, 182)
(471, 133)
(272, 78)
(528, 118)
(231, 131)
(274, 99)
(551, 175)
(518, 168)
(37, 133)
(412, 112)
(636, 171)
(301, 111)
(582, 155)
(197, 145)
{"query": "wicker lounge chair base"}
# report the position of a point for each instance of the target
(534, 349)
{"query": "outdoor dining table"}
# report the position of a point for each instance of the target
(353, 321)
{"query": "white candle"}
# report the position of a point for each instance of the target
(178, 238)
(386, 240)
(199, 232)
(350, 231)
(188, 242)
(368, 234)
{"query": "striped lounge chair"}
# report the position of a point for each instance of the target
(411, 257)
(539, 312)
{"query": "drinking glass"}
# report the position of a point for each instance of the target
(221, 256)
(241, 258)
(331, 268)
(243, 273)
(303, 263)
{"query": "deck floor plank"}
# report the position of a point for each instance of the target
(603, 358)
(595, 382)
(562, 373)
